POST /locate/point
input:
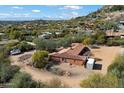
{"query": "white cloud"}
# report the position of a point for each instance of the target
(36, 11)
(48, 16)
(70, 15)
(26, 15)
(14, 15)
(61, 17)
(72, 7)
(21, 15)
(75, 14)
(5, 14)
(17, 7)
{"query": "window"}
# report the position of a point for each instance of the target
(64, 60)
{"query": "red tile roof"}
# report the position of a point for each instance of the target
(71, 52)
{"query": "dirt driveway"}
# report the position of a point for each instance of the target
(105, 54)
(45, 76)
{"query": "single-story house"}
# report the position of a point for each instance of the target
(76, 54)
(121, 25)
(45, 35)
(2, 34)
(110, 34)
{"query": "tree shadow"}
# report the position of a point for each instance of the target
(98, 59)
(95, 47)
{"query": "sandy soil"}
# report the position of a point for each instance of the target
(105, 54)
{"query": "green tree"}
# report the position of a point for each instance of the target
(99, 37)
(0, 37)
(87, 41)
(39, 59)
(14, 34)
(7, 72)
(3, 56)
(24, 46)
(10, 46)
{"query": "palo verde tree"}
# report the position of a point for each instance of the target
(38, 58)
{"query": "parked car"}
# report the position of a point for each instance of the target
(15, 51)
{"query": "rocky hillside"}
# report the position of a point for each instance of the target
(108, 13)
(105, 18)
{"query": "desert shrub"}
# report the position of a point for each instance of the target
(24, 46)
(56, 83)
(24, 80)
(3, 59)
(117, 65)
(57, 71)
(110, 81)
(29, 38)
(115, 42)
(117, 69)
(99, 37)
(7, 72)
(3, 56)
(9, 46)
(14, 34)
(117, 8)
(39, 60)
(49, 45)
(109, 43)
(100, 81)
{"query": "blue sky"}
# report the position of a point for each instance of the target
(28, 12)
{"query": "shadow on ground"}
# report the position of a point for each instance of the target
(98, 59)
(97, 66)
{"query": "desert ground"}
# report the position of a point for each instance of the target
(104, 55)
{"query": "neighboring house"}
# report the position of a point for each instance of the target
(58, 33)
(2, 35)
(120, 33)
(76, 54)
(45, 35)
(111, 34)
(121, 25)
(48, 33)
(15, 51)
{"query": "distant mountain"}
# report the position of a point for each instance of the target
(100, 19)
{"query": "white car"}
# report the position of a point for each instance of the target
(15, 51)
